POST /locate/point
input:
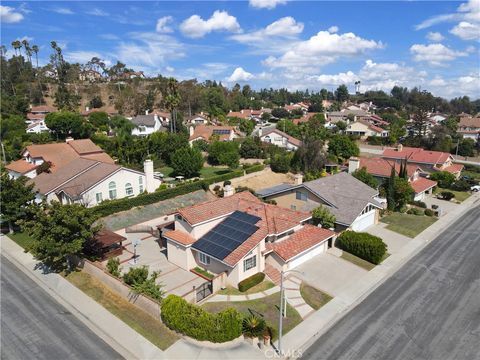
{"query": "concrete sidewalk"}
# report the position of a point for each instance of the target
(303, 335)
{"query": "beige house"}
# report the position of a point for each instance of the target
(237, 236)
(364, 129)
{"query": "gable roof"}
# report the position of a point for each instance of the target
(417, 155)
(273, 219)
(206, 131)
(383, 167)
(469, 122)
(290, 139)
(144, 120)
(422, 184)
(21, 166)
(84, 146)
(42, 108)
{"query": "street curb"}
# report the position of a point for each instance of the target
(299, 350)
(70, 307)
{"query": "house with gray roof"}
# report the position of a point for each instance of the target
(146, 124)
(350, 200)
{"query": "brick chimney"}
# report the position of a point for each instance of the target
(353, 164)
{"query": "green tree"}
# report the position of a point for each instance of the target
(247, 126)
(466, 147)
(251, 148)
(96, 102)
(365, 177)
(280, 113)
(391, 190)
(14, 198)
(310, 157)
(343, 147)
(341, 94)
(187, 162)
(65, 123)
(224, 153)
(402, 192)
(60, 233)
(99, 120)
(444, 178)
(321, 215)
(280, 162)
(288, 127)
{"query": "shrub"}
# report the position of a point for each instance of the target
(113, 266)
(444, 178)
(136, 275)
(321, 215)
(138, 279)
(419, 204)
(460, 185)
(254, 326)
(363, 245)
(251, 281)
(227, 182)
(255, 168)
(447, 195)
(193, 321)
(415, 211)
(429, 212)
(434, 206)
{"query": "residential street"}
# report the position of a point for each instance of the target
(35, 326)
(429, 309)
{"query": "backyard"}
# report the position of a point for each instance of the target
(146, 325)
(205, 173)
(267, 307)
(408, 224)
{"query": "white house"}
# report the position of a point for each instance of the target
(146, 124)
(37, 127)
(364, 129)
(279, 138)
(197, 119)
(89, 182)
(469, 128)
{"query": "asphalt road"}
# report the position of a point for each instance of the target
(35, 326)
(430, 308)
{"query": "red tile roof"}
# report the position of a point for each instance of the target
(31, 116)
(20, 166)
(43, 108)
(454, 168)
(274, 219)
(422, 184)
(417, 155)
(300, 241)
(206, 131)
(180, 237)
(469, 122)
(383, 167)
(84, 146)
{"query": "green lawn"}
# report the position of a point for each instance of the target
(408, 224)
(22, 239)
(145, 324)
(459, 195)
(167, 171)
(471, 174)
(267, 307)
(357, 261)
(314, 297)
(206, 172)
(264, 285)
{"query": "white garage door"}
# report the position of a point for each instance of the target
(364, 222)
(308, 255)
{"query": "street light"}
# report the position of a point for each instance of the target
(280, 324)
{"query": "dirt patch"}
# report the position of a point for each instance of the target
(263, 179)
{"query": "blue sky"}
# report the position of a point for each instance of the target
(267, 43)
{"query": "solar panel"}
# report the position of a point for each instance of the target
(227, 235)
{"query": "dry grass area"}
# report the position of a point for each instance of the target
(263, 179)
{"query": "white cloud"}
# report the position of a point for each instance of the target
(97, 12)
(434, 36)
(466, 31)
(333, 29)
(320, 49)
(434, 54)
(284, 28)
(109, 36)
(207, 71)
(196, 27)
(467, 16)
(8, 15)
(63, 11)
(266, 4)
(162, 24)
(239, 75)
(456, 86)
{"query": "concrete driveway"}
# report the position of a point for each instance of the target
(394, 241)
(330, 273)
(444, 206)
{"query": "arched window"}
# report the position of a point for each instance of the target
(140, 184)
(112, 190)
(128, 189)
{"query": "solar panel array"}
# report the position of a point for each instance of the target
(227, 235)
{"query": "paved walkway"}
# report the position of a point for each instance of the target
(246, 297)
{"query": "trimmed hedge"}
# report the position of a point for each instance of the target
(254, 168)
(429, 212)
(224, 177)
(193, 321)
(250, 282)
(363, 245)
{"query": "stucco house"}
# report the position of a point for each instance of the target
(279, 138)
(239, 236)
(364, 129)
(469, 128)
(429, 161)
(197, 119)
(146, 124)
(381, 170)
(352, 202)
(205, 132)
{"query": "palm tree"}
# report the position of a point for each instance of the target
(3, 51)
(28, 50)
(172, 100)
(16, 45)
(35, 50)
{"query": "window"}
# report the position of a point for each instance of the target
(99, 197)
(293, 207)
(112, 190)
(301, 196)
(140, 184)
(204, 259)
(249, 263)
(128, 189)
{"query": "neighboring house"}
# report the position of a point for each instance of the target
(205, 132)
(36, 118)
(381, 170)
(197, 119)
(58, 154)
(90, 75)
(304, 118)
(469, 128)
(297, 106)
(279, 138)
(364, 129)
(238, 236)
(89, 182)
(146, 124)
(429, 161)
(350, 200)
(37, 127)
(437, 118)
(247, 114)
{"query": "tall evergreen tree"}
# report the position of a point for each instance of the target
(391, 191)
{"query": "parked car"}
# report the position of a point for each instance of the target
(475, 188)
